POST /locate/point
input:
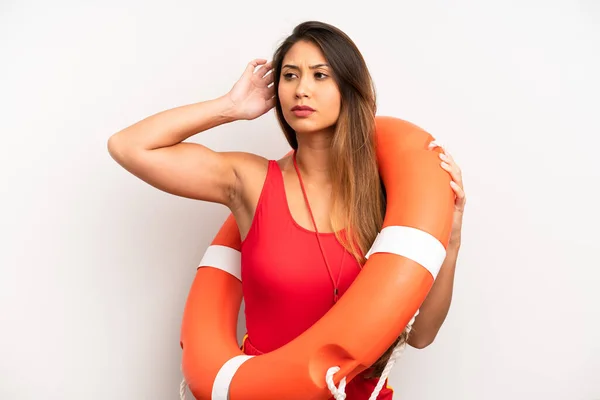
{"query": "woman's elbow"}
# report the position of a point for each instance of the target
(115, 147)
(420, 342)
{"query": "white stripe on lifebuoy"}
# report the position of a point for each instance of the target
(220, 390)
(224, 258)
(412, 243)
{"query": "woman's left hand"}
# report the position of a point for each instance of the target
(456, 183)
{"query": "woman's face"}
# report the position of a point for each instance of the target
(309, 96)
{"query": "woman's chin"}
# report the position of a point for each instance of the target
(310, 127)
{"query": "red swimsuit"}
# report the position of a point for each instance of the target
(286, 284)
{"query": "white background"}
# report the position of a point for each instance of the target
(96, 265)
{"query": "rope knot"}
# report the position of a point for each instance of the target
(339, 393)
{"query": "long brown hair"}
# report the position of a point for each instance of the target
(358, 195)
(356, 187)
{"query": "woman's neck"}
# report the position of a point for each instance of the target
(313, 155)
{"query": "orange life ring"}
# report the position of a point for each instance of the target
(401, 267)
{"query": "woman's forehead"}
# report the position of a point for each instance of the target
(304, 54)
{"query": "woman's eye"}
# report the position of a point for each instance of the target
(289, 75)
(320, 75)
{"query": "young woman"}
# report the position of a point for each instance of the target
(305, 220)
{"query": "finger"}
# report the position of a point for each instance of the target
(455, 168)
(435, 144)
(262, 71)
(445, 157)
(460, 193)
(447, 153)
(269, 79)
(453, 172)
(255, 63)
(269, 92)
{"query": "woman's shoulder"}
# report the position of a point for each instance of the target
(252, 170)
(249, 166)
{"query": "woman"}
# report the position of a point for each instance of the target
(306, 220)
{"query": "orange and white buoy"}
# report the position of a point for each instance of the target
(401, 267)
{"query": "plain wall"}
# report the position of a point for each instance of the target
(96, 265)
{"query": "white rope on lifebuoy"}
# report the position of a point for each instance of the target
(396, 353)
(182, 387)
(339, 393)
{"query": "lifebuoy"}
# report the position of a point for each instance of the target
(401, 267)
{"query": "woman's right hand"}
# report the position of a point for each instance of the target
(251, 96)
